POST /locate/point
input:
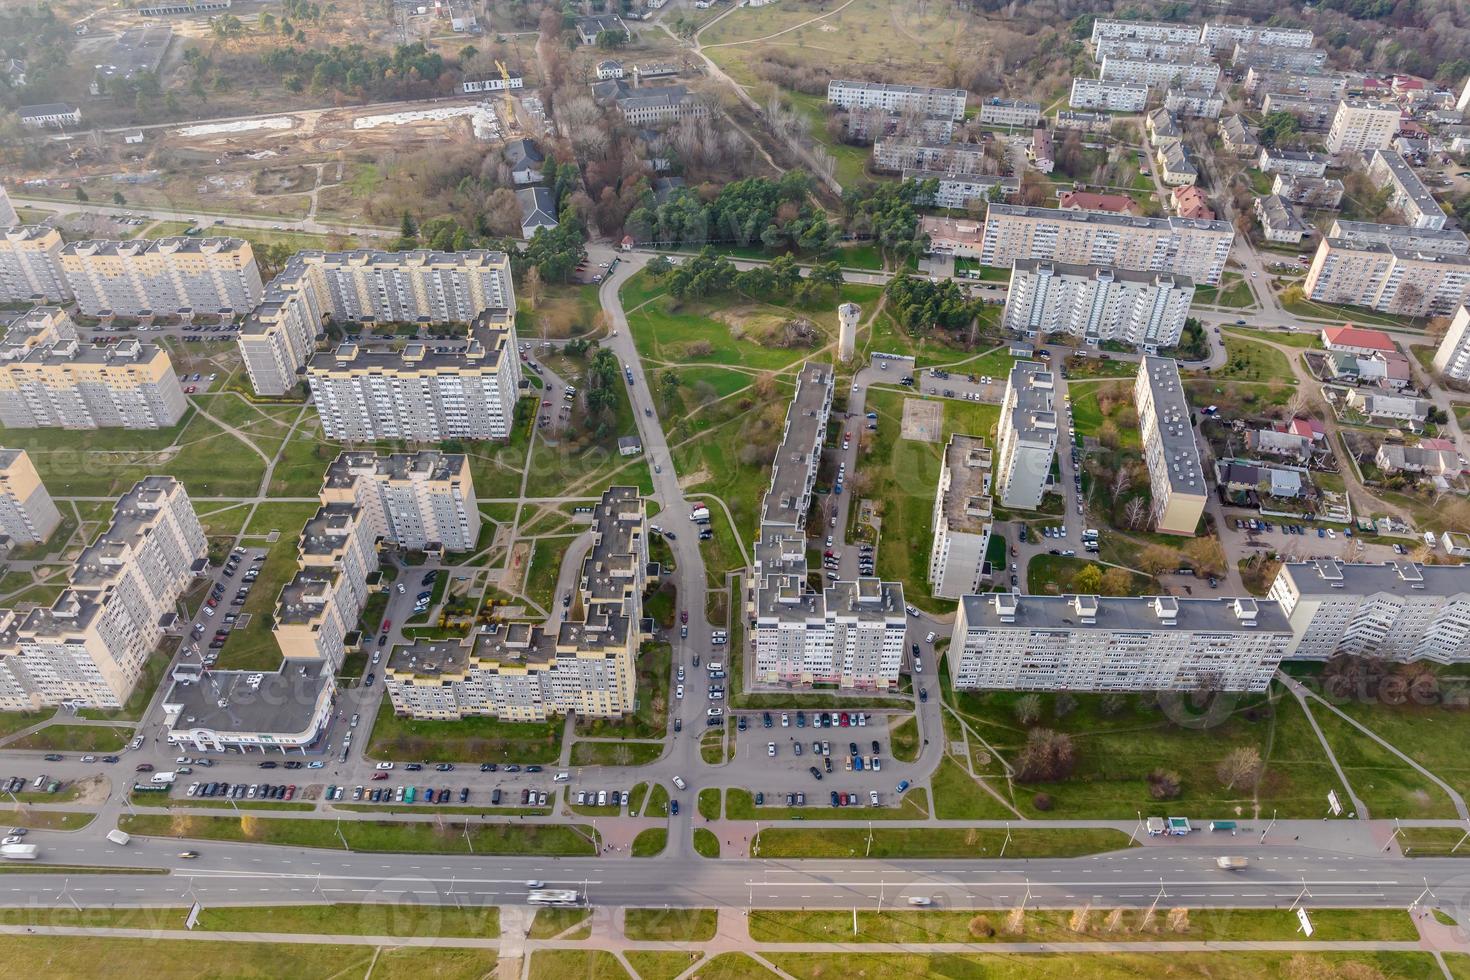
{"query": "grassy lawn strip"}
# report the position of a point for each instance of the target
(493, 811)
(615, 753)
(553, 922)
(45, 819)
(670, 925)
(378, 835)
(584, 964)
(467, 740)
(1055, 925)
(1246, 360)
(1112, 966)
(709, 803)
(26, 868)
(740, 805)
(345, 919)
(1389, 786)
(706, 844)
(734, 966)
(660, 966)
(958, 797)
(933, 842)
(75, 738)
(903, 738)
(1422, 842)
(650, 842)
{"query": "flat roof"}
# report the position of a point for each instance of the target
(958, 93)
(1406, 250)
(1171, 416)
(1408, 181)
(136, 50)
(1007, 611)
(425, 465)
(1107, 218)
(794, 467)
(1034, 418)
(1351, 231)
(1327, 576)
(967, 504)
(486, 348)
(135, 515)
(247, 702)
(1104, 273)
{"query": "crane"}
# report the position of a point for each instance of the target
(510, 102)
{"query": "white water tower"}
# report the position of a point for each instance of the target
(847, 321)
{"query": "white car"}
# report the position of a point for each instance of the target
(771, 749)
(13, 840)
(785, 720)
(930, 637)
(385, 765)
(679, 691)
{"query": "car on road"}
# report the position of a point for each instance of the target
(771, 749)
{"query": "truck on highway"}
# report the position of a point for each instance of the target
(1231, 863)
(19, 852)
(119, 837)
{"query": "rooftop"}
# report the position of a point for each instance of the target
(134, 517)
(1033, 419)
(1445, 239)
(1145, 614)
(1326, 576)
(489, 337)
(428, 465)
(1102, 218)
(967, 504)
(1407, 180)
(1176, 432)
(957, 93)
(246, 702)
(1351, 336)
(1103, 273)
(794, 467)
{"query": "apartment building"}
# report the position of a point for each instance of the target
(1227, 36)
(1452, 357)
(1311, 113)
(657, 105)
(30, 264)
(794, 470)
(901, 153)
(321, 603)
(1446, 241)
(1191, 247)
(1408, 195)
(422, 501)
(48, 377)
(962, 518)
(163, 276)
(1202, 103)
(1274, 57)
(27, 513)
(49, 115)
(1141, 48)
(1112, 96)
(961, 190)
(586, 663)
(423, 286)
(1309, 192)
(1279, 220)
(8, 217)
(1175, 167)
(1009, 112)
(1108, 29)
(1028, 436)
(422, 392)
(949, 102)
(1084, 122)
(90, 645)
(1390, 277)
(1297, 163)
(1176, 476)
(1090, 643)
(1237, 138)
(1180, 69)
(1400, 611)
(1097, 303)
(1361, 124)
(1329, 85)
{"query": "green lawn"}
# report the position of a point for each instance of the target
(466, 740)
(1388, 786)
(546, 557)
(582, 964)
(670, 925)
(650, 842)
(75, 738)
(709, 803)
(1426, 733)
(615, 753)
(661, 966)
(1247, 360)
(734, 966)
(1433, 842)
(957, 796)
(1054, 575)
(45, 819)
(13, 721)
(373, 835)
(706, 844)
(551, 922)
(335, 919)
(1109, 966)
(934, 842)
(903, 738)
(1289, 338)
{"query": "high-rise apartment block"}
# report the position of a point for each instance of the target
(1274, 57)
(27, 513)
(278, 338)
(1361, 124)
(1408, 195)
(164, 276)
(1176, 475)
(794, 471)
(1443, 241)
(30, 264)
(422, 392)
(521, 672)
(416, 501)
(89, 647)
(1009, 642)
(8, 216)
(1452, 357)
(1114, 96)
(947, 102)
(1400, 611)
(321, 604)
(1097, 303)
(1193, 247)
(48, 377)
(962, 518)
(1028, 436)
(1391, 277)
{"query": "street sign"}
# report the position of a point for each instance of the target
(193, 917)
(1333, 804)
(1306, 923)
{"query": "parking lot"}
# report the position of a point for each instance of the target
(221, 608)
(838, 752)
(965, 387)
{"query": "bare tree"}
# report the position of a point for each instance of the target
(1134, 512)
(1239, 767)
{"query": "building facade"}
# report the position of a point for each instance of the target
(1390, 278)
(909, 154)
(1361, 125)
(1179, 70)
(1097, 303)
(962, 190)
(1108, 29)
(417, 501)
(948, 102)
(1408, 195)
(1009, 112)
(1027, 435)
(1297, 163)
(1112, 96)
(1176, 476)
(1090, 643)
(164, 276)
(27, 513)
(49, 378)
(1452, 357)
(1226, 36)
(962, 518)
(30, 264)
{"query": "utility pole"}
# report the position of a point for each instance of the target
(1396, 831)
(1157, 899)
(1268, 828)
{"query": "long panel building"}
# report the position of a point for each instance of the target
(1192, 247)
(1027, 434)
(27, 513)
(962, 518)
(1114, 96)
(1390, 277)
(164, 276)
(421, 501)
(278, 338)
(1452, 357)
(1090, 643)
(947, 102)
(1408, 195)
(1097, 303)
(30, 265)
(1400, 611)
(1176, 476)
(1182, 67)
(89, 647)
(521, 672)
(48, 377)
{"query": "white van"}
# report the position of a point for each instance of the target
(715, 665)
(561, 777)
(715, 712)
(118, 837)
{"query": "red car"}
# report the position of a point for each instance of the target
(684, 616)
(387, 623)
(380, 775)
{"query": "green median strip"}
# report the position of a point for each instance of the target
(371, 919)
(935, 842)
(39, 868)
(1234, 965)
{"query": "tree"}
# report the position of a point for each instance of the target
(1279, 129)
(82, 195)
(406, 227)
(1134, 512)
(1088, 581)
(1027, 708)
(1207, 554)
(1163, 784)
(1063, 705)
(1156, 559)
(117, 198)
(1116, 581)
(1239, 767)
(1048, 756)
(531, 287)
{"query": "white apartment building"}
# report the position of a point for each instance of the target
(27, 513)
(1009, 112)
(1112, 96)
(1297, 163)
(1388, 277)
(1400, 611)
(30, 264)
(1409, 196)
(1311, 113)
(423, 392)
(1090, 643)
(8, 217)
(1201, 103)
(1316, 85)
(1141, 48)
(495, 83)
(1097, 303)
(90, 646)
(164, 276)
(1028, 436)
(1227, 36)
(1193, 247)
(1444, 241)
(949, 102)
(794, 470)
(1108, 29)
(423, 286)
(1273, 57)
(962, 518)
(1362, 125)
(902, 153)
(1179, 70)
(1452, 357)
(1176, 476)
(321, 604)
(417, 501)
(48, 377)
(961, 190)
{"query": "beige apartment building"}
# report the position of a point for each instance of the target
(322, 602)
(421, 501)
(49, 378)
(89, 647)
(163, 276)
(963, 518)
(27, 513)
(1176, 476)
(30, 264)
(1360, 124)
(278, 338)
(1192, 247)
(1388, 277)
(586, 663)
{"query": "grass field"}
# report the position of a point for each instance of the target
(934, 842)
(1388, 786)
(583, 964)
(615, 753)
(466, 740)
(660, 966)
(1053, 575)
(650, 842)
(1247, 360)
(957, 796)
(551, 922)
(335, 919)
(706, 844)
(1425, 733)
(670, 925)
(75, 738)
(1110, 966)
